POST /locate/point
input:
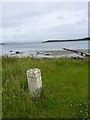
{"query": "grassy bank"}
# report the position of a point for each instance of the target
(65, 85)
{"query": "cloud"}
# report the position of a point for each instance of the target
(40, 21)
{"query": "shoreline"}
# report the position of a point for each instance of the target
(62, 52)
(47, 54)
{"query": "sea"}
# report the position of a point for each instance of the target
(30, 48)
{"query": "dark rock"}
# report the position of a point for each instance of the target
(17, 52)
(11, 51)
(47, 53)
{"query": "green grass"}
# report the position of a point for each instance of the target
(65, 86)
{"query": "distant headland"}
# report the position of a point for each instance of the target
(2, 43)
(82, 39)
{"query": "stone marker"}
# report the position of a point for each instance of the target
(34, 82)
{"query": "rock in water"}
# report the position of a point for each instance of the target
(34, 82)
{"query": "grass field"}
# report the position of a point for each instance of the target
(65, 86)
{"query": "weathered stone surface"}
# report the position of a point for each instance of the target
(34, 82)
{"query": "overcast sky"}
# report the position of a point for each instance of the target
(43, 21)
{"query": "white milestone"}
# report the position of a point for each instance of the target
(34, 82)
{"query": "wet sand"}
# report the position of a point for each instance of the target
(61, 52)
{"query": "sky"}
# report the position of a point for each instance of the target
(41, 21)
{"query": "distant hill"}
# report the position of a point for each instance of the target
(2, 43)
(82, 39)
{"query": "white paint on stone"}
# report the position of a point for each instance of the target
(34, 82)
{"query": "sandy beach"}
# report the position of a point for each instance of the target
(62, 52)
(48, 53)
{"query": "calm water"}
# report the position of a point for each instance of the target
(37, 46)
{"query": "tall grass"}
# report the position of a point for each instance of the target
(0, 87)
(65, 86)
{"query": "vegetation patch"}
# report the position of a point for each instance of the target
(65, 88)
